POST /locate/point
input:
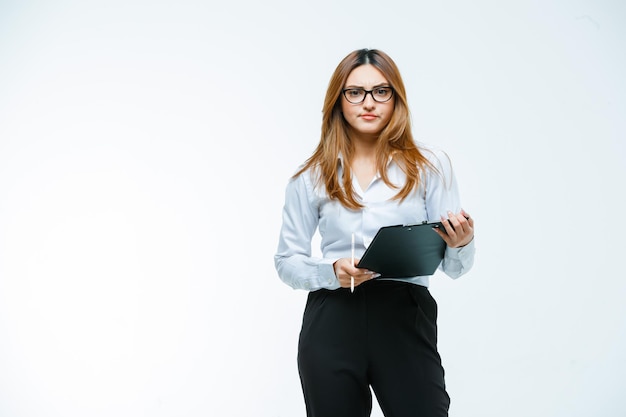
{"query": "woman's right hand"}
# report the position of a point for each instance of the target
(344, 270)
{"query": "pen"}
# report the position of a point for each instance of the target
(351, 277)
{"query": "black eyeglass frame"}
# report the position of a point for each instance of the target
(370, 92)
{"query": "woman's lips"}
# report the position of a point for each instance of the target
(368, 116)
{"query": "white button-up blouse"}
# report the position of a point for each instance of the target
(307, 207)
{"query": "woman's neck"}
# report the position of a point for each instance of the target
(363, 163)
(365, 148)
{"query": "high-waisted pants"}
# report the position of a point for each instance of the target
(383, 335)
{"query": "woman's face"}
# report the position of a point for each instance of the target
(369, 117)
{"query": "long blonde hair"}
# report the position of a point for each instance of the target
(395, 140)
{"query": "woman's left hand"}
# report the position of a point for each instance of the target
(459, 229)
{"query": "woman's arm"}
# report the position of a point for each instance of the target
(293, 261)
(443, 204)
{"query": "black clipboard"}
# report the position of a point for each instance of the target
(405, 251)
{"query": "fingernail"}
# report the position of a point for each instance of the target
(376, 275)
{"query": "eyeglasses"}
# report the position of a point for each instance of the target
(357, 95)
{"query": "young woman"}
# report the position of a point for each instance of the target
(367, 172)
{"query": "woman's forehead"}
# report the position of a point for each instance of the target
(366, 76)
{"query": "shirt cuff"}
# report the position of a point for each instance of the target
(326, 272)
(463, 252)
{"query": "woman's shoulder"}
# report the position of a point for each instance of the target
(305, 179)
(434, 155)
(304, 174)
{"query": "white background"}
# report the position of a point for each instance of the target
(144, 151)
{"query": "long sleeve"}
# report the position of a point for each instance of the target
(294, 263)
(308, 209)
(442, 195)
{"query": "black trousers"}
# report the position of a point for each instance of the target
(383, 335)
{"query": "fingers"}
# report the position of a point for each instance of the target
(360, 277)
(459, 229)
(457, 223)
(344, 270)
(469, 219)
(360, 274)
(450, 227)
